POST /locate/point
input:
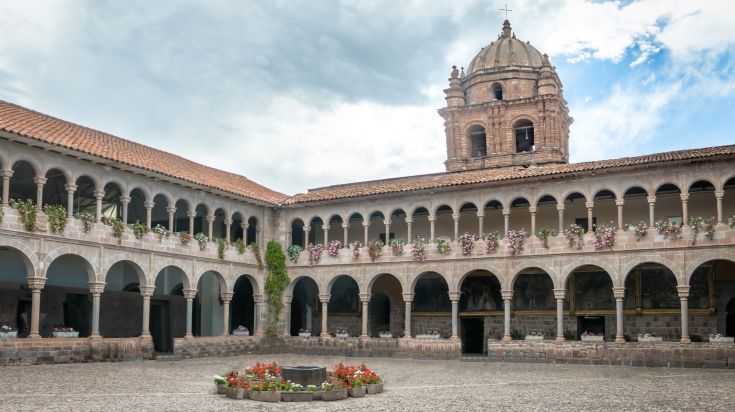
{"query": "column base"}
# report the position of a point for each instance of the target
(145, 335)
(364, 336)
(507, 339)
(560, 339)
(407, 337)
(188, 336)
(686, 339)
(95, 337)
(454, 338)
(34, 336)
(324, 335)
(619, 339)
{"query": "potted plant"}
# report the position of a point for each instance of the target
(293, 392)
(241, 330)
(333, 391)
(293, 253)
(160, 231)
(357, 388)
(429, 334)
(333, 248)
(385, 334)
(185, 237)
(534, 335)
(64, 332)
(220, 384)
(718, 338)
(373, 382)
(7, 331)
(266, 391)
(315, 392)
(304, 333)
(237, 387)
(592, 337)
(649, 337)
(443, 245)
(342, 334)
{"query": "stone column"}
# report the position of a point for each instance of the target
(507, 296)
(432, 221)
(210, 227)
(386, 222)
(245, 227)
(287, 315)
(407, 299)
(619, 204)
(719, 194)
(259, 238)
(262, 315)
(684, 299)
(39, 181)
(480, 223)
(96, 289)
(506, 221)
(307, 230)
(560, 209)
(171, 210)
(191, 216)
(619, 294)
(149, 214)
(325, 228)
(651, 211)
(36, 285)
(125, 200)
(99, 195)
(189, 294)
(258, 327)
(559, 294)
(684, 208)
(365, 227)
(345, 235)
(454, 298)
(364, 299)
(70, 190)
(6, 175)
(325, 317)
(146, 292)
(409, 237)
(456, 226)
(228, 227)
(226, 298)
(532, 210)
(590, 206)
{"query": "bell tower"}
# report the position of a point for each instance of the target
(506, 110)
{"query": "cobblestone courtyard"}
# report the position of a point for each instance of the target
(411, 385)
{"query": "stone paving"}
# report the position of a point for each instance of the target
(412, 385)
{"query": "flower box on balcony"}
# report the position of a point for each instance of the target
(592, 338)
(385, 335)
(342, 335)
(240, 333)
(721, 339)
(65, 334)
(433, 336)
(305, 334)
(644, 338)
(534, 337)
(8, 335)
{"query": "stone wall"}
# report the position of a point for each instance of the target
(69, 350)
(419, 324)
(352, 323)
(216, 346)
(663, 354)
(406, 348)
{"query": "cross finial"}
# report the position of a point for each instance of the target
(506, 10)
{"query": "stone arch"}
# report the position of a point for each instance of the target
(442, 205)
(417, 278)
(672, 182)
(34, 166)
(724, 180)
(54, 190)
(628, 187)
(22, 184)
(695, 180)
(569, 192)
(542, 195)
(334, 279)
(533, 265)
(90, 261)
(289, 289)
(605, 188)
(658, 259)
(124, 258)
(588, 261)
(468, 270)
(26, 254)
(701, 259)
(185, 280)
(371, 281)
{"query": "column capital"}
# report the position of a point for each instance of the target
(306, 229)
(506, 294)
(719, 194)
(226, 296)
(191, 215)
(365, 223)
(227, 222)
(96, 288)
(365, 297)
(6, 173)
(245, 226)
(560, 293)
(146, 290)
(684, 197)
(190, 293)
(70, 188)
(455, 216)
(324, 298)
(36, 283)
(651, 199)
(125, 200)
(345, 225)
(589, 205)
(620, 202)
(683, 291)
(432, 218)
(618, 292)
(532, 209)
(39, 180)
(407, 297)
(171, 210)
(325, 227)
(409, 221)
(149, 205)
(386, 222)
(99, 194)
(210, 218)
(480, 214)
(506, 212)
(454, 296)
(560, 208)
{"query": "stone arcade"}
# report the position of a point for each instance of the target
(507, 133)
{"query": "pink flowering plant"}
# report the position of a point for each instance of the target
(516, 241)
(575, 236)
(333, 248)
(604, 236)
(467, 243)
(492, 242)
(418, 250)
(668, 230)
(699, 223)
(375, 249)
(640, 230)
(356, 250)
(185, 237)
(396, 245)
(315, 253)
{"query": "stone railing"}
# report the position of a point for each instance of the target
(102, 234)
(625, 240)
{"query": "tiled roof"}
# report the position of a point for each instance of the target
(28, 123)
(440, 180)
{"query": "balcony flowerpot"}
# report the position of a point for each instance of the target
(373, 388)
(358, 392)
(342, 335)
(8, 335)
(598, 338)
(221, 389)
(385, 335)
(265, 396)
(302, 396)
(240, 333)
(65, 334)
(643, 338)
(534, 337)
(305, 335)
(335, 395)
(424, 336)
(721, 339)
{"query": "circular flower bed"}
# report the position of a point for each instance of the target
(263, 382)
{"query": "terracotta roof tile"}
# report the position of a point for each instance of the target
(28, 123)
(439, 180)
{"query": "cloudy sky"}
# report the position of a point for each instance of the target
(302, 94)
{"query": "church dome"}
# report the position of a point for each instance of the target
(506, 51)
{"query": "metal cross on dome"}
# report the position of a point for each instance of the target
(506, 10)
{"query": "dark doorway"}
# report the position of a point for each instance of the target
(23, 318)
(473, 332)
(77, 313)
(730, 319)
(161, 326)
(590, 324)
(379, 313)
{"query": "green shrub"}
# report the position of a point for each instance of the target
(275, 284)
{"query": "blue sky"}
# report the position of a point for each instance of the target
(300, 94)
